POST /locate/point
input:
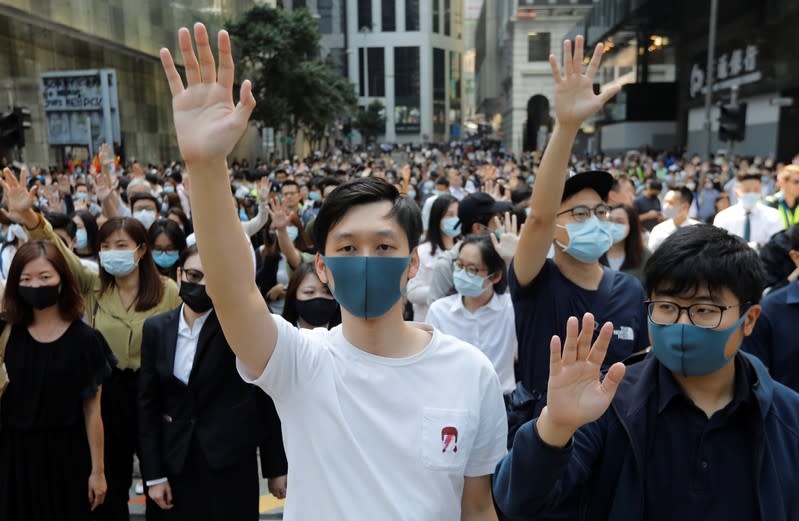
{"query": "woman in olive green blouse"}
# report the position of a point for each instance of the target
(127, 291)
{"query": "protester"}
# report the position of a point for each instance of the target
(347, 411)
(199, 423)
(787, 200)
(309, 303)
(648, 206)
(168, 243)
(676, 207)
(628, 253)
(85, 235)
(51, 439)
(750, 219)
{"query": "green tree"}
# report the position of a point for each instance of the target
(295, 88)
(371, 122)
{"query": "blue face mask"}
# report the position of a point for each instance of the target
(588, 240)
(118, 262)
(293, 232)
(451, 226)
(166, 259)
(82, 196)
(618, 232)
(169, 189)
(314, 196)
(82, 239)
(690, 350)
(411, 194)
(243, 215)
(367, 287)
(467, 284)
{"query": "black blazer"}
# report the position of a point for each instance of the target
(225, 416)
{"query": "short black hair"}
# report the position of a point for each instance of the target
(654, 184)
(135, 198)
(60, 221)
(289, 182)
(329, 181)
(686, 194)
(493, 261)
(749, 175)
(442, 180)
(367, 190)
(186, 253)
(704, 255)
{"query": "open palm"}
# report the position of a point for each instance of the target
(207, 122)
(575, 394)
(575, 100)
(18, 199)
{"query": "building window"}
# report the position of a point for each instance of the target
(300, 4)
(365, 14)
(407, 92)
(388, 15)
(376, 64)
(411, 15)
(439, 92)
(361, 73)
(339, 57)
(538, 47)
(447, 18)
(436, 17)
(325, 9)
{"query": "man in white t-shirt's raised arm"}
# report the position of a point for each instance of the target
(382, 419)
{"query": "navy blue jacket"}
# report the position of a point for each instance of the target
(600, 474)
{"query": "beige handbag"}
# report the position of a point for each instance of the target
(3, 373)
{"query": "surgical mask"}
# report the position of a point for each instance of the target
(749, 200)
(39, 298)
(243, 215)
(166, 259)
(293, 232)
(691, 350)
(670, 212)
(411, 194)
(118, 262)
(617, 231)
(81, 239)
(314, 196)
(690, 186)
(195, 296)
(441, 192)
(367, 287)
(764, 179)
(169, 189)
(588, 240)
(146, 217)
(82, 196)
(451, 226)
(318, 312)
(467, 284)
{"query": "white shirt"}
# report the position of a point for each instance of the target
(370, 437)
(492, 329)
(187, 345)
(458, 193)
(764, 222)
(662, 231)
(419, 286)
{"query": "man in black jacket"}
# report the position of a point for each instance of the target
(199, 423)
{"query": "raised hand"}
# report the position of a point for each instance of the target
(208, 124)
(264, 189)
(508, 241)
(575, 100)
(20, 201)
(106, 157)
(575, 394)
(280, 214)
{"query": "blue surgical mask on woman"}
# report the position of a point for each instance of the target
(118, 262)
(293, 232)
(81, 239)
(691, 350)
(314, 196)
(617, 231)
(467, 284)
(451, 226)
(367, 287)
(166, 259)
(588, 240)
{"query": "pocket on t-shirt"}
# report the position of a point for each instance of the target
(447, 438)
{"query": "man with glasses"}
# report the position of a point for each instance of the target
(572, 212)
(290, 192)
(697, 430)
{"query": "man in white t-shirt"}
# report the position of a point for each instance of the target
(382, 419)
(676, 206)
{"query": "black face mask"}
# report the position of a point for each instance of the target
(195, 296)
(39, 298)
(318, 312)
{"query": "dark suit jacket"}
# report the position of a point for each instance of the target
(225, 416)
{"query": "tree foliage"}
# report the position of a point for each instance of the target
(295, 88)
(372, 121)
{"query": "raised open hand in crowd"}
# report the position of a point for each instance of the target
(508, 241)
(19, 199)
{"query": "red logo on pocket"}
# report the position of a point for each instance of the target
(449, 436)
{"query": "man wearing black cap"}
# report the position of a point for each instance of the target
(571, 211)
(476, 213)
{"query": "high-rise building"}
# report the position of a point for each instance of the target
(513, 80)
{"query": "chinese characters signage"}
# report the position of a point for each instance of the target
(732, 68)
(78, 104)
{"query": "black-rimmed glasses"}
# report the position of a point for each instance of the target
(582, 213)
(708, 316)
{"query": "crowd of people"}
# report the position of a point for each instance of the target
(417, 332)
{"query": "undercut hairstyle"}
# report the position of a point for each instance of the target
(491, 259)
(437, 211)
(749, 175)
(70, 303)
(151, 287)
(367, 190)
(686, 195)
(703, 255)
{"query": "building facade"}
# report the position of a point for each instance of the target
(51, 36)
(514, 79)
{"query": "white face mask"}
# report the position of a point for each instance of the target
(146, 217)
(749, 200)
